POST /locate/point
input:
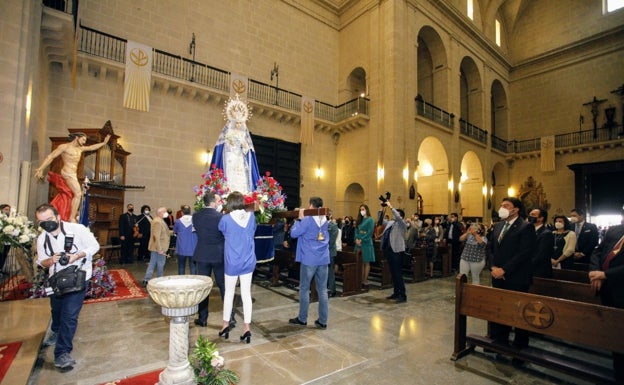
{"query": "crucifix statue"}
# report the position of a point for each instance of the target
(594, 111)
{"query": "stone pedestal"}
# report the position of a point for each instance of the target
(179, 296)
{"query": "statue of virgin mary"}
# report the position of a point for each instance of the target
(234, 152)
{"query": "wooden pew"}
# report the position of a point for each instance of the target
(416, 264)
(571, 275)
(446, 258)
(575, 322)
(350, 272)
(380, 268)
(574, 291)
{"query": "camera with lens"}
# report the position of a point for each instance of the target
(63, 258)
(385, 199)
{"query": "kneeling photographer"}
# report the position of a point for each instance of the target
(393, 246)
(68, 248)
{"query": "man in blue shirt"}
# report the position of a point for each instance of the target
(313, 254)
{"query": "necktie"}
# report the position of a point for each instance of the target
(502, 234)
(616, 249)
(577, 229)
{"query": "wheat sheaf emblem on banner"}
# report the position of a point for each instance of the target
(307, 107)
(138, 57)
(238, 86)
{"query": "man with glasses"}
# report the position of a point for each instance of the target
(54, 240)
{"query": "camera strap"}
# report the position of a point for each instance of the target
(48, 244)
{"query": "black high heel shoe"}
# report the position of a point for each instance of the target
(246, 337)
(225, 333)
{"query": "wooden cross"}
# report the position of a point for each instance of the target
(306, 213)
(594, 111)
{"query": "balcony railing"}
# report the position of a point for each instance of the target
(472, 131)
(113, 48)
(434, 113)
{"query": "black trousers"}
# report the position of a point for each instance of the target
(127, 250)
(208, 268)
(395, 260)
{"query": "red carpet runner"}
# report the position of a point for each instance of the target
(126, 287)
(7, 353)
(149, 378)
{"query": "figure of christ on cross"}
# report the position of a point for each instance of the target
(594, 111)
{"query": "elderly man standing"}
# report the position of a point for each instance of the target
(313, 253)
(158, 245)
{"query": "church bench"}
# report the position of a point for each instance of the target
(570, 275)
(349, 271)
(415, 264)
(553, 317)
(380, 270)
(573, 291)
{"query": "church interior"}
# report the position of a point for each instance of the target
(450, 105)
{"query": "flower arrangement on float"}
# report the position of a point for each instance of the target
(214, 182)
(209, 366)
(269, 197)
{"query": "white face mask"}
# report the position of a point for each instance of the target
(363, 212)
(165, 215)
(573, 220)
(219, 208)
(146, 212)
(503, 213)
(558, 225)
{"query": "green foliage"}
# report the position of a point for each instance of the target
(208, 365)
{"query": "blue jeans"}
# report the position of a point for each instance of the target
(65, 311)
(156, 261)
(182, 264)
(319, 273)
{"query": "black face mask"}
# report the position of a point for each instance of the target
(49, 226)
(130, 210)
(532, 220)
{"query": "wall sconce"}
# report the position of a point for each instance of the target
(415, 176)
(318, 172)
(406, 174)
(380, 173)
(484, 190)
(206, 157)
(511, 192)
(451, 185)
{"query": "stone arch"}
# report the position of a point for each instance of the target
(500, 183)
(471, 93)
(499, 112)
(433, 175)
(356, 83)
(471, 186)
(353, 197)
(432, 68)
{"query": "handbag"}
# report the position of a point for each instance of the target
(69, 280)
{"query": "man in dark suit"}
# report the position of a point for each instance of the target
(208, 255)
(127, 221)
(452, 234)
(606, 274)
(586, 236)
(544, 248)
(512, 245)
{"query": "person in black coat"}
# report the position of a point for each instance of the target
(586, 236)
(451, 235)
(208, 255)
(144, 220)
(127, 221)
(544, 248)
(512, 245)
(606, 274)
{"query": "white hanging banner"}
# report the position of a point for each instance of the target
(239, 85)
(307, 120)
(548, 153)
(137, 83)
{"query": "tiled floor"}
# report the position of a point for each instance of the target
(369, 340)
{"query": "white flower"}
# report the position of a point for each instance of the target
(217, 360)
(8, 229)
(24, 238)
